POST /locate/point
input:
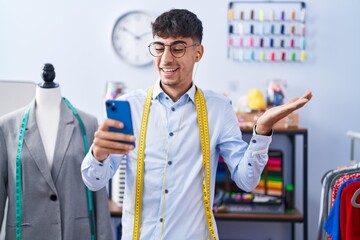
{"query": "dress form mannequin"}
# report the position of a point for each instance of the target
(47, 110)
(68, 210)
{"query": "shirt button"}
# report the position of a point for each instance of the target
(53, 197)
(169, 162)
(166, 191)
(249, 164)
(167, 98)
(171, 134)
(161, 219)
(254, 141)
(97, 178)
(100, 164)
(173, 109)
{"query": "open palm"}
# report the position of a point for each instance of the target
(267, 120)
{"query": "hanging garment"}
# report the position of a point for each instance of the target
(54, 200)
(340, 181)
(350, 214)
(332, 223)
(328, 181)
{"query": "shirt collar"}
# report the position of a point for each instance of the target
(158, 90)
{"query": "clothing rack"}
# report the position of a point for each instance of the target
(353, 136)
(333, 182)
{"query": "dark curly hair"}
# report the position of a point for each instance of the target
(178, 23)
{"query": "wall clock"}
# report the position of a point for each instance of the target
(131, 36)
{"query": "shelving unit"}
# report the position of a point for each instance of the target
(300, 215)
(266, 31)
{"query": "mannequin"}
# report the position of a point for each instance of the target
(55, 203)
(47, 109)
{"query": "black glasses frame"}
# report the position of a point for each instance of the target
(171, 49)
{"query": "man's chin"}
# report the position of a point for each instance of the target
(168, 82)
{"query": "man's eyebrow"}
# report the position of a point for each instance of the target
(174, 42)
(157, 42)
(179, 41)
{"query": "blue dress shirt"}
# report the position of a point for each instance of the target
(172, 191)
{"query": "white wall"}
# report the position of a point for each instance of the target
(75, 37)
(13, 95)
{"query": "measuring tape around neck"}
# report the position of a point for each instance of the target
(18, 171)
(205, 147)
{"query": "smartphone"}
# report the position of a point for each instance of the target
(120, 110)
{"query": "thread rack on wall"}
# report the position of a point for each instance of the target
(266, 31)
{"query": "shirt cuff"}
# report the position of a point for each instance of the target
(259, 144)
(254, 132)
(96, 170)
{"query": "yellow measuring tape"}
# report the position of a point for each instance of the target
(205, 147)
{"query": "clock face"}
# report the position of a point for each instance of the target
(131, 36)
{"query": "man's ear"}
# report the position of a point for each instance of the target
(199, 53)
(197, 56)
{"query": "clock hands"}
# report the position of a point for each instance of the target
(130, 36)
(138, 37)
(144, 34)
(130, 32)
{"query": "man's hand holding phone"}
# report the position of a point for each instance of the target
(115, 135)
(108, 142)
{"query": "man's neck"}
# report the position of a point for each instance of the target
(173, 92)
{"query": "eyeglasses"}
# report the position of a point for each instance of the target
(177, 49)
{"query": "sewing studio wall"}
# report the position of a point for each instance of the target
(266, 31)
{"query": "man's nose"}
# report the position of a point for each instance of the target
(167, 55)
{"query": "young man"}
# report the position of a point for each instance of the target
(171, 143)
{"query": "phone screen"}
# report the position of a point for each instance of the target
(120, 110)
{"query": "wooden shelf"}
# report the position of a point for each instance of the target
(116, 211)
(287, 217)
(290, 130)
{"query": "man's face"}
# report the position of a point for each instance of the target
(177, 72)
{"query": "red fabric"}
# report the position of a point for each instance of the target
(340, 181)
(349, 215)
(337, 185)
